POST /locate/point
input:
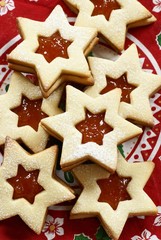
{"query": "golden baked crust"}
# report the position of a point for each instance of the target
(63, 127)
(48, 74)
(54, 191)
(88, 205)
(146, 84)
(132, 13)
(21, 86)
(145, 22)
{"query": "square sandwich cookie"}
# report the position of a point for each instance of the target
(90, 129)
(54, 50)
(111, 18)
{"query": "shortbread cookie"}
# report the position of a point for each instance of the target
(54, 49)
(137, 85)
(113, 196)
(146, 22)
(62, 79)
(111, 18)
(22, 108)
(28, 186)
(90, 129)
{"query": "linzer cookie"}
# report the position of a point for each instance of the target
(90, 129)
(145, 22)
(55, 50)
(111, 18)
(137, 85)
(22, 108)
(113, 196)
(28, 186)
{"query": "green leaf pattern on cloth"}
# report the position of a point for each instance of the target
(120, 148)
(101, 234)
(158, 39)
(81, 237)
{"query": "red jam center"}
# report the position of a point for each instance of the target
(93, 128)
(25, 184)
(113, 190)
(53, 47)
(104, 7)
(122, 83)
(29, 113)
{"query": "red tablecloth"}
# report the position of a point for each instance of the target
(147, 146)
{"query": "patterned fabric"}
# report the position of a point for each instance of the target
(146, 147)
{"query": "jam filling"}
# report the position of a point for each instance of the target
(25, 184)
(104, 7)
(29, 113)
(122, 83)
(113, 190)
(93, 128)
(53, 47)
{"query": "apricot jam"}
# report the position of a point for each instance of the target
(104, 7)
(93, 128)
(121, 83)
(113, 190)
(25, 184)
(29, 113)
(53, 47)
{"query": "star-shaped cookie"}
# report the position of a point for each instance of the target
(63, 127)
(52, 74)
(54, 191)
(145, 22)
(128, 14)
(143, 84)
(89, 203)
(20, 87)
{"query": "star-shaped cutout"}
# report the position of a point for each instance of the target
(93, 128)
(25, 184)
(29, 112)
(130, 14)
(145, 84)
(88, 204)
(63, 126)
(21, 87)
(54, 192)
(113, 189)
(122, 83)
(52, 74)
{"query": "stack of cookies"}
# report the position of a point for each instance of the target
(90, 104)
